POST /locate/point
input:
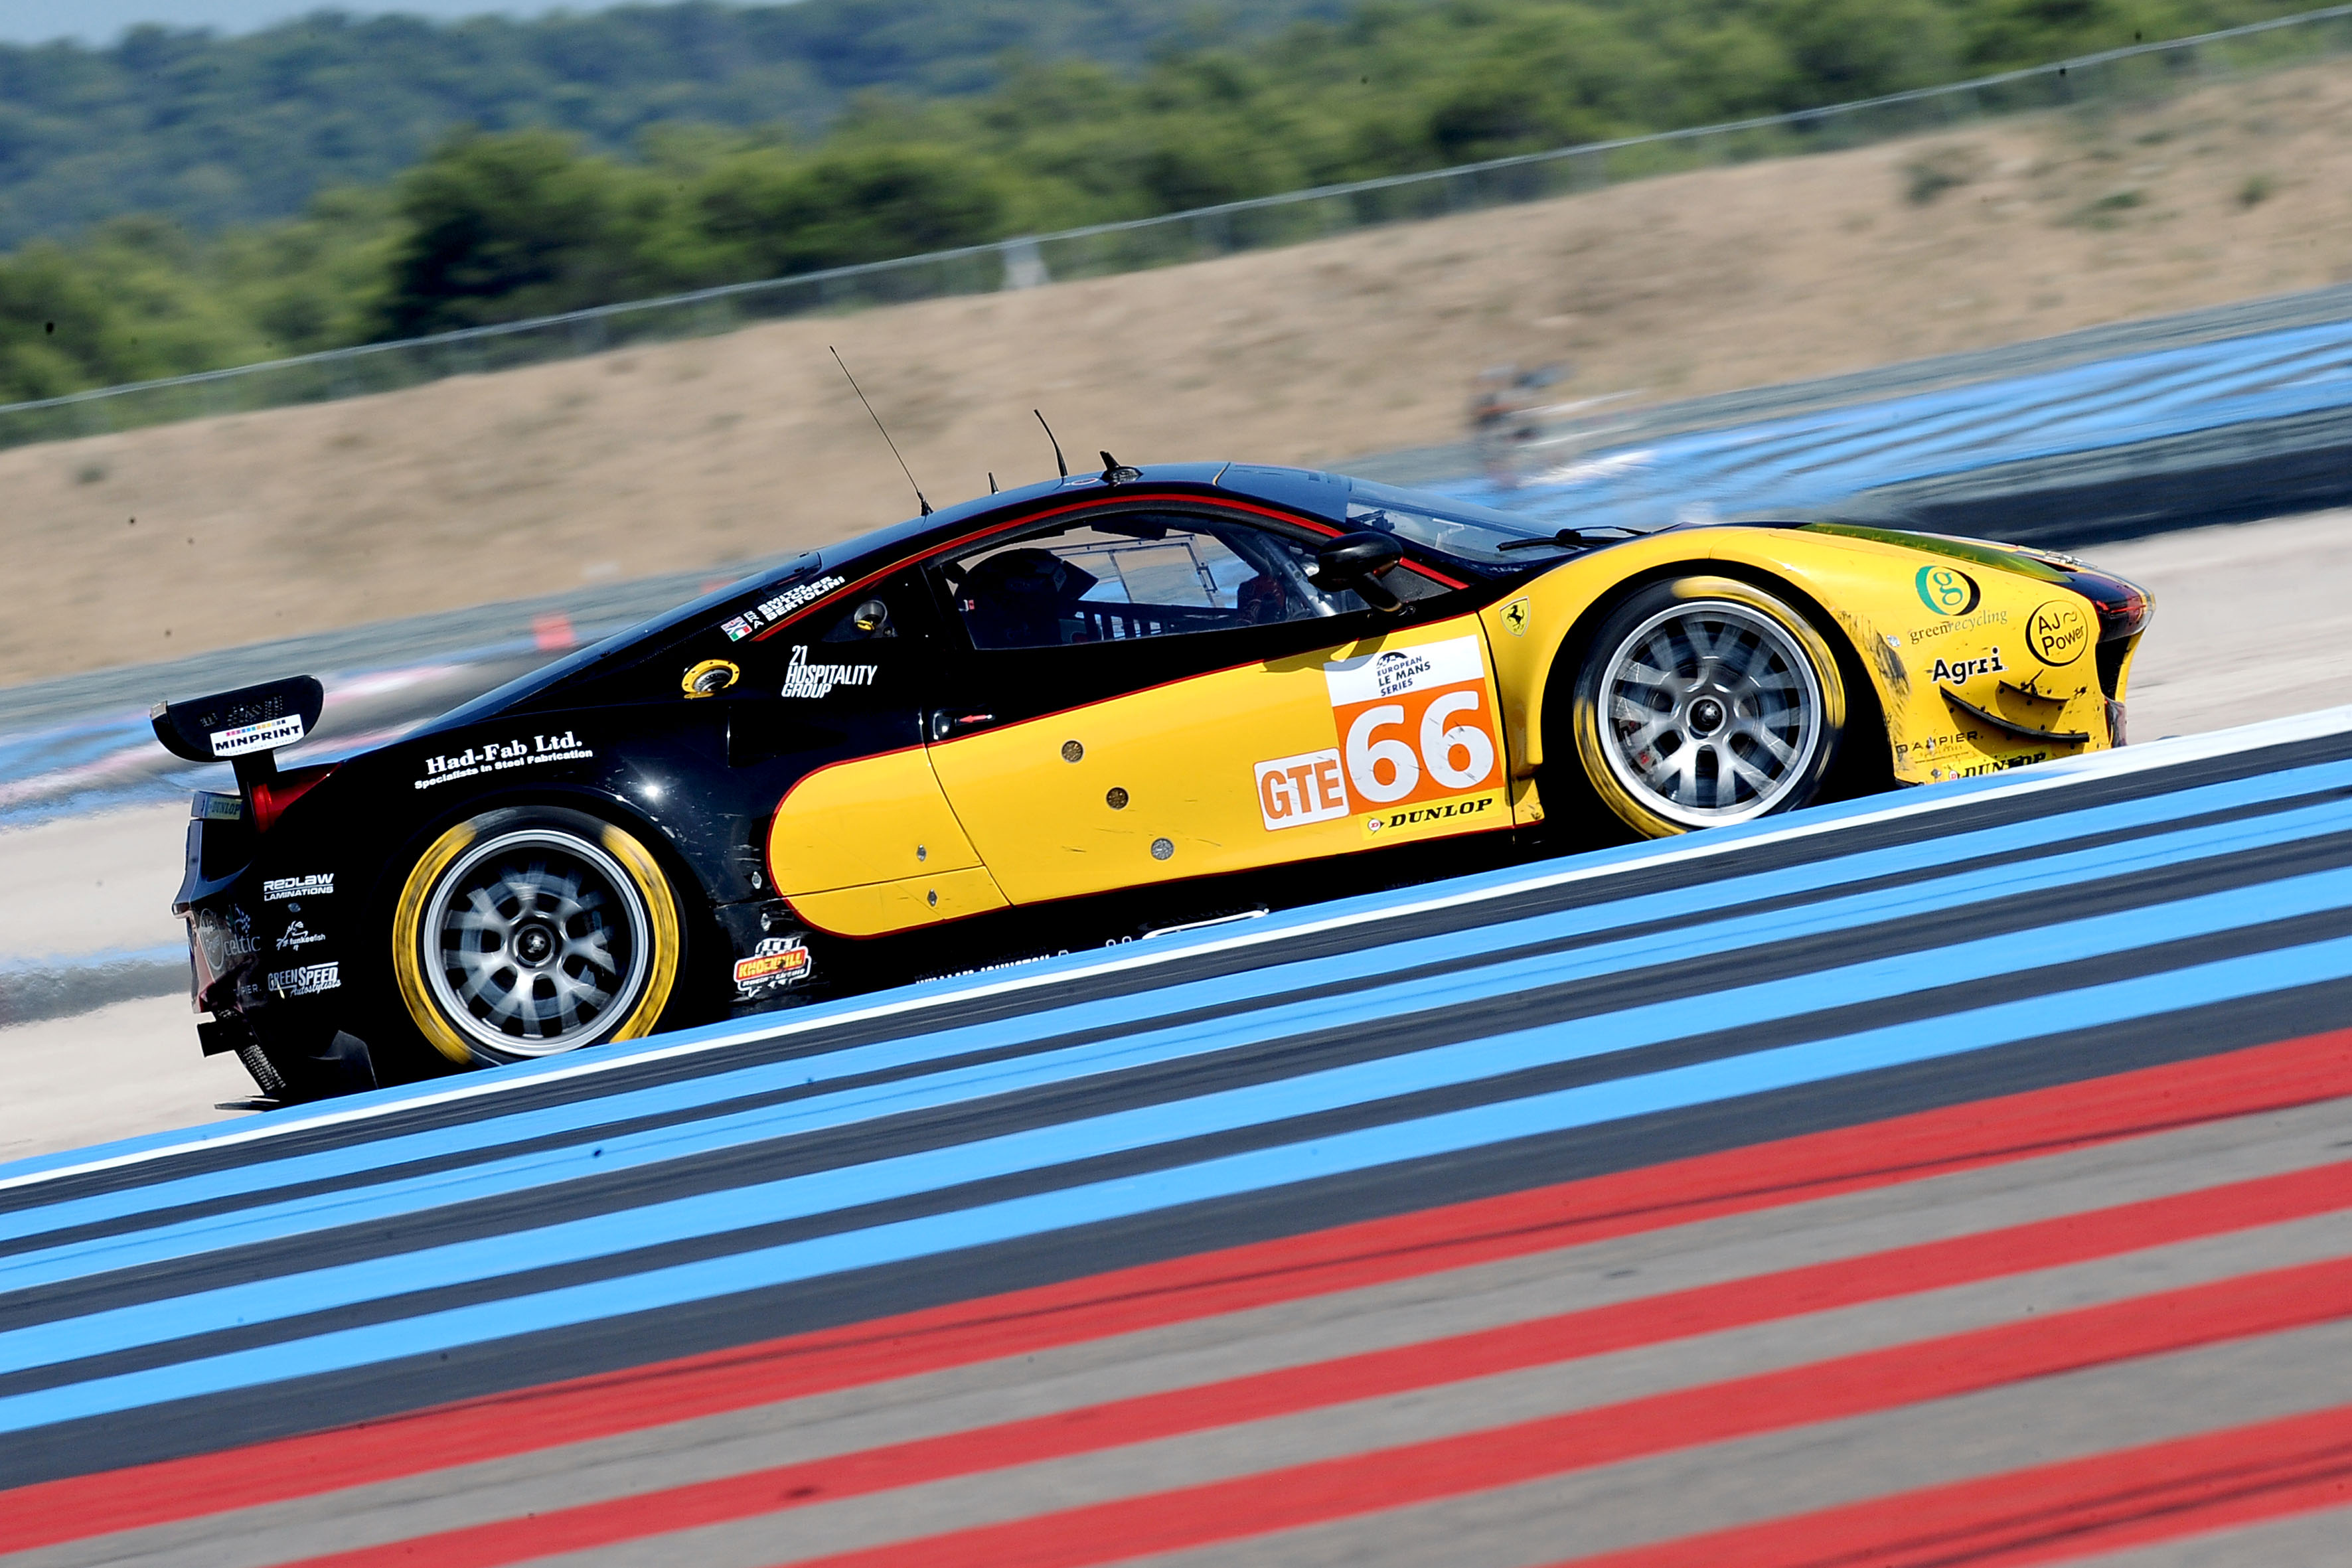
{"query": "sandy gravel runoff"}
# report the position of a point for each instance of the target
(697, 453)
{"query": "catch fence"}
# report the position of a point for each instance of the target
(2136, 75)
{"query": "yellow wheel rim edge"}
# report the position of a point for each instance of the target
(407, 967)
(1583, 721)
(661, 911)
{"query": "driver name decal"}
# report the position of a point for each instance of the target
(769, 612)
(1417, 750)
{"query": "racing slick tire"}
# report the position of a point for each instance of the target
(529, 930)
(1706, 700)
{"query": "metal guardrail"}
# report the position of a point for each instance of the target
(2139, 73)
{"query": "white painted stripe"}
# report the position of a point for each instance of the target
(2174, 752)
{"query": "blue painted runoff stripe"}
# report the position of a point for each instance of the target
(1256, 1171)
(481, 1093)
(416, 1195)
(1354, 1084)
(723, 1085)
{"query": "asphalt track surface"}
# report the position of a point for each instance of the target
(1955, 1178)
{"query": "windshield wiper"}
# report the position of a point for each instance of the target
(1571, 539)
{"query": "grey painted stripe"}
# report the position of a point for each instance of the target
(1725, 1485)
(1368, 1426)
(1289, 1334)
(2315, 1540)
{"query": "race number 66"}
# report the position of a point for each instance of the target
(1455, 756)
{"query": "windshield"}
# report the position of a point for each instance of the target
(1457, 528)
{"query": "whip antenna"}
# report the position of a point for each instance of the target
(1049, 435)
(878, 425)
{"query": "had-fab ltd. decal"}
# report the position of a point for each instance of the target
(1417, 749)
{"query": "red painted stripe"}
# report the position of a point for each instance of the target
(1253, 1506)
(2072, 1238)
(1761, 1176)
(2051, 1513)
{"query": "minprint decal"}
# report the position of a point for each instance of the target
(268, 735)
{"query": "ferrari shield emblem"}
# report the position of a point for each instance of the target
(1515, 617)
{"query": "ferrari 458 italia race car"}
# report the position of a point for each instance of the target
(1076, 713)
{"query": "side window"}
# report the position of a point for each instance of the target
(1136, 574)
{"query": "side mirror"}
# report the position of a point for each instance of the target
(872, 619)
(1358, 561)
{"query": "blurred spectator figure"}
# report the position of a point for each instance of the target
(1507, 408)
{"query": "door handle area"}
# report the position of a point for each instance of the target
(947, 721)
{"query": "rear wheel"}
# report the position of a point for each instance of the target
(532, 930)
(1704, 701)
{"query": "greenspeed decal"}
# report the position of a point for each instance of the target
(1947, 590)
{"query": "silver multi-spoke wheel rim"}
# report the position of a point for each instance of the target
(537, 941)
(1711, 713)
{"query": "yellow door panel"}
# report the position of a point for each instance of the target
(2013, 649)
(862, 823)
(1369, 742)
(880, 907)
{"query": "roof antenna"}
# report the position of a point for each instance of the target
(1063, 466)
(992, 482)
(886, 434)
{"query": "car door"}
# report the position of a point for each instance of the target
(867, 845)
(1146, 692)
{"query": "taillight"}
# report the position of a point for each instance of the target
(272, 796)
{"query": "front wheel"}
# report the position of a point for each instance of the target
(529, 930)
(1704, 701)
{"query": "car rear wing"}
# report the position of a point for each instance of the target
(244, 728)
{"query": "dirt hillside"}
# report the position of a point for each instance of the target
(702, 452)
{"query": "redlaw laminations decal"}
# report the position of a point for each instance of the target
(1417, 752)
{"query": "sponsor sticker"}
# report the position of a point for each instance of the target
(1960, 671)
(299, 936)
(212, 806)
(777, 961)
(266, 735)
(802, 679)
(501, 756)
(1442, 816)
(1294, 791)
(1947, 590)
(1977, 622)
(1999, 764)
(317, 885)
(308, 980)
(1415, 726)
(2057, 632)
(765, 614)
(1920, 747)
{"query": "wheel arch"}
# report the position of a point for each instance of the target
(1860, 770)
(696, 920)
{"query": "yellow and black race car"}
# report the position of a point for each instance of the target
(1076, 713)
